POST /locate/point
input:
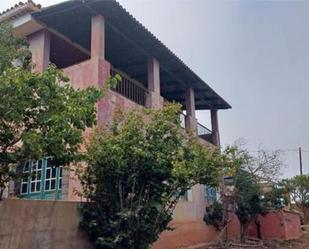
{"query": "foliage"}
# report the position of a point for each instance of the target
(40, 114)
(214, 215)
(12, 49)
(248, 200)
(263, 165)
(247, 195)
(277, 198)
(266, 165)
(298, 188)
(40, 117)
(137, 168)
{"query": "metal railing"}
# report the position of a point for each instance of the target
(130, 88)
(202, 130)
(182, 118)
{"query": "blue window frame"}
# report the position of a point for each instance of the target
(211, 194)
(42, 181)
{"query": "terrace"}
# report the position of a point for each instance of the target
(135, 91)
(108, 40)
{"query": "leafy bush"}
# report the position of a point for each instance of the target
(214, 215)
(137, 168)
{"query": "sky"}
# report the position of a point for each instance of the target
(255, 54)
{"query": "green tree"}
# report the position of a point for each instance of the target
(40, 114)
(137, 168)
(248, 200)
(278, 197)
(245, 193)
(298, 189)
(214, 215)
(12, 50)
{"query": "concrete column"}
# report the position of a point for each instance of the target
(39, 45)
(154, 98)
(191, 121)
(215, 127)
(97, 37)
(190, 102)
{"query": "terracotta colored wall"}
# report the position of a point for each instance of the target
(26, 224)
(111, 102)
(233, 229)
(84, 74)
(186, 234)
(194, 232)
(94, 72)
(292, 225)
(282, 225)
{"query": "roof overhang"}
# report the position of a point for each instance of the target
(128, 46)
(20, 18)
(25, 25)
(19, 10)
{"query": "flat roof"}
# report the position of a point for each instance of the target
(128, 46)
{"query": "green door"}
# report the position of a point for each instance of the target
(43, 182)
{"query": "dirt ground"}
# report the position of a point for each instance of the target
(301, 243)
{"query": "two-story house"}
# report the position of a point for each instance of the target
(92, 39)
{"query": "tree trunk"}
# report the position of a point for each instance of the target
(306, 215)
(258, 228)
(242, 233)
(1, 193)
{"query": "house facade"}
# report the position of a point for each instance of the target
(91, 40)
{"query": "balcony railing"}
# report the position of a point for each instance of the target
(130, 88)
(201, 129)
(182, 120)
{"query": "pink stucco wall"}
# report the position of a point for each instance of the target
(186, 234)
(84, 74)
(95, 72)
(283, 225)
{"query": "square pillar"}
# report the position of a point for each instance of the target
(97, 37)
(190, 102)
(154, 98)
(215, 127)
(191, 122)
(39, 45)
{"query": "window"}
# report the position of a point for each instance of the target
(52, 174)
(24, 182)
(41, 180)
(60, 178)
(36, 176)
(211, 194)
(32, 179)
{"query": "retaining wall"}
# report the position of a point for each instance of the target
(32, 224)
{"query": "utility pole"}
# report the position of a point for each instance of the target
(300, 162)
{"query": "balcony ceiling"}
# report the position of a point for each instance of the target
(128, 47)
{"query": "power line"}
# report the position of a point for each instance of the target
(284, 150)
(299, 151)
